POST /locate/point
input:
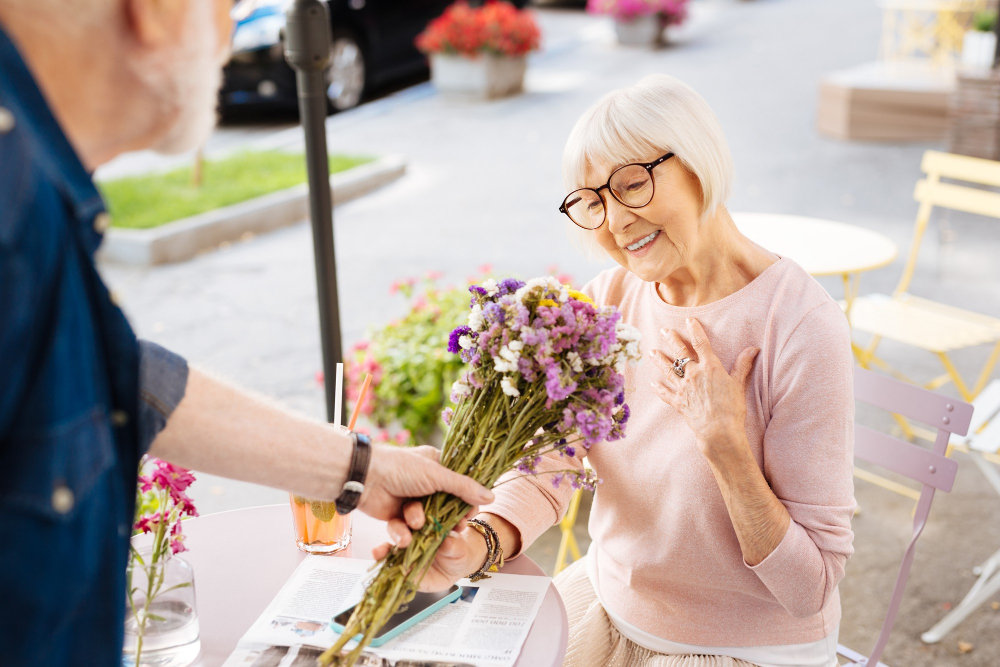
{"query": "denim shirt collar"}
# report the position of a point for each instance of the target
(52, 150)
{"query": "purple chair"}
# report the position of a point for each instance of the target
(931, 468)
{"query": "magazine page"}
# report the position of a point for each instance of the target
(485, 627)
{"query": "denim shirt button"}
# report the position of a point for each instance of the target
(6, 121)
(119, 418)
(62, 499)
(101, 223)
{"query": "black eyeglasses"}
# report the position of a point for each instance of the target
(631, 185)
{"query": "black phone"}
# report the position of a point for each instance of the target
(421, 606)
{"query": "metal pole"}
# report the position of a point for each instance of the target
(307, 50)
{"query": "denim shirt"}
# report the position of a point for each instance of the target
(72, 424)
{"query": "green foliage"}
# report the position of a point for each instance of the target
(985, 21)
(142, 202)
(412, 370)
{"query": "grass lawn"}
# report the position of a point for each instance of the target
(142, 202)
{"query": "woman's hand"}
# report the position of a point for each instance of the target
(711, 399)
(462, 552)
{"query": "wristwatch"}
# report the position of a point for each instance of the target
(355, 484)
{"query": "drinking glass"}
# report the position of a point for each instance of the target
(318, 527)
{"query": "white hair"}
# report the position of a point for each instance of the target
(659, 114)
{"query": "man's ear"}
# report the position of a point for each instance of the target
(155, 23)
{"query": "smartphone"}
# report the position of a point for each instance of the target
(420, 607)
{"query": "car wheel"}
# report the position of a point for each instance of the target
(346, 75)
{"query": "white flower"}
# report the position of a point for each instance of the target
(516, 345)
(465, 342)
(575, 362)
(459, 389)
(504, 365)
(490, 286)
(476, 318)
(563, 294)
(509, 386)
(510, 352)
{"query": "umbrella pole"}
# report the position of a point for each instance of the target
(307, 50)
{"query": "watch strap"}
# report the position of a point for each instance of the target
(355, 484)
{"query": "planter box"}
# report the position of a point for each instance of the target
(487, 76)
(978, 49)
(644, 31)
(183, 239)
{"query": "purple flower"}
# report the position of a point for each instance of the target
(509, 286)
(446, 416)
(453, 337)
(568, 450)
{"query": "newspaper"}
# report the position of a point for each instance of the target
(486, 627)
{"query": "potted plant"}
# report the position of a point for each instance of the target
(979, 44)
(480, 50)
(641, 22)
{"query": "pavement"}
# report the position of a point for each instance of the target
(483, 186)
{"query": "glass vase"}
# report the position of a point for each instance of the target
(161, 622)
(318, 527)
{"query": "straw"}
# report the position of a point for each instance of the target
(361, 399)
(339, 396)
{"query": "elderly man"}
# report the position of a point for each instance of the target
(81, 400)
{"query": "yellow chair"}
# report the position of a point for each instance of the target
(567, 543)
(928, 325)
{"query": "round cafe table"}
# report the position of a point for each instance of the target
(821, 247)
(242, 558)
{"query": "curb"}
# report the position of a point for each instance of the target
(183, 239)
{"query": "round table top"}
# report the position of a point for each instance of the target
(242, 558)
(821, 247)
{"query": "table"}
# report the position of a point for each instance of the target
(821, 247)
(243, 557)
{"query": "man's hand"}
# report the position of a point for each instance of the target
(398, 474)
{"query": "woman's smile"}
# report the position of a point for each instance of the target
(641, 246)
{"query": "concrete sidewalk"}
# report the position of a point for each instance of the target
(483, 187)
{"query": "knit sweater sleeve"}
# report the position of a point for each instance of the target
(809, 460)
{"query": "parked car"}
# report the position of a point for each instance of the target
(372, 45)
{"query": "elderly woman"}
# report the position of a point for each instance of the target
(722, 526)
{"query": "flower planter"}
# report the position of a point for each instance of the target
(486, 76)
(644, 31)
(978, 49)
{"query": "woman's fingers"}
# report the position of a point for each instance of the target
(665, 364)
(699, 339)
(677, 346)
(664, 393)
(743, 364)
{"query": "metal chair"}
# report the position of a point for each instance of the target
(930, 468)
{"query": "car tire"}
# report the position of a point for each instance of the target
(347, 73)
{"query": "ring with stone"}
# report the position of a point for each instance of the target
(679, 365)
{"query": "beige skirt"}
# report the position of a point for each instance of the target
(595, 642)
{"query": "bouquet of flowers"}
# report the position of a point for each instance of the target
(160, 505)
(496, 27)
(671, 12)
(543, 374)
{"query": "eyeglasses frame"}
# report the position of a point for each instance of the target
(648, 166)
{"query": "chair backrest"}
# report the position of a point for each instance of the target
(931, 193)
(931, 468)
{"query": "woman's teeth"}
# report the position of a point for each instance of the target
(643, 241)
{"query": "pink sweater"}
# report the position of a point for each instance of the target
(668, 560)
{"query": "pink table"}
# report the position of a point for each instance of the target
(242, 558)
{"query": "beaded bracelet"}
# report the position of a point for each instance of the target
(494, 552)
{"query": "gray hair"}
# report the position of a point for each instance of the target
(659, 114)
